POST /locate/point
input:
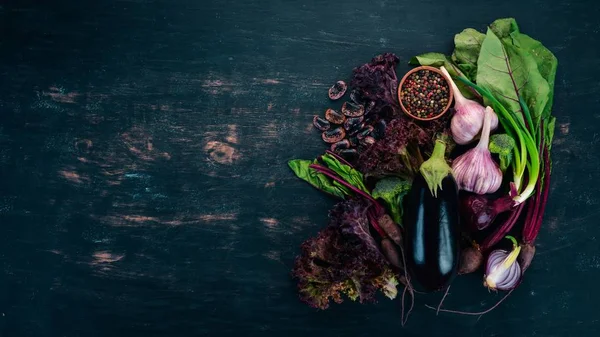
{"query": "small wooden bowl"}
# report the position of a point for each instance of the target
(435, 70)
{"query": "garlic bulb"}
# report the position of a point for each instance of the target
(468, 118)
(476, 171)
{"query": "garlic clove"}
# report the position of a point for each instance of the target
(493, 121)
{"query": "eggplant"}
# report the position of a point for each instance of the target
(432, 231)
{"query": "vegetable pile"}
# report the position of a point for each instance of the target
(425, 200)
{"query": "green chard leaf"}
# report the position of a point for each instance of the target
(508, 31)
(504, 28)
(437, 60)
(348, 173)
(511, 73)
(320, 181)
(343, 188)
(546, 63)
(429, 59)
(467, 45)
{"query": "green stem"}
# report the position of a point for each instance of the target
(439, 150)
(435, 169)
(527, 114)
(514, 241)
(520, 156)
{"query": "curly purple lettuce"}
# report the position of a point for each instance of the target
(377, 82)
(343, 260)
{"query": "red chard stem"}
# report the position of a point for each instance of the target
(331, 174)
(532, 210)
(375, 225)
(544, 200)
(338, 157)
(532, 225)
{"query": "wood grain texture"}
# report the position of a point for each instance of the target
(144, 187)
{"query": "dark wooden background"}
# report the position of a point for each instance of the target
(143, 181)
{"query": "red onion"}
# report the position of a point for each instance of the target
(502, 272)
(479, 211)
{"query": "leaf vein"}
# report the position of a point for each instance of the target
(498, 70)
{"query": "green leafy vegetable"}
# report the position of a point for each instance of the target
(431, 59)
(467, 45)
(392, 190)
(348, 173)
(502, 145)
(546, 63)
(504, 28)
(508, 32)
(511, 73)
(343, 259)
(324, 183)
(333, 175)
(318, 180)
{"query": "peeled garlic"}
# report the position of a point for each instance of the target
(468, 118)
(476, 171)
